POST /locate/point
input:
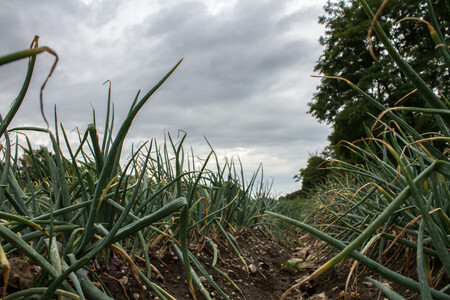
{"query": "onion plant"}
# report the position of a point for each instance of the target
(398, 194)
(62, 207)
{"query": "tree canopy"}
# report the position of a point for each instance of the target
(314, 173)
(346, 54)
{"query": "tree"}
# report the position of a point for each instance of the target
(346, 55)
(316, 172)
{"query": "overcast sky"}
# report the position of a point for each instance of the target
(244, 83)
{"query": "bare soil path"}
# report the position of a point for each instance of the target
(269, 269)
(269, 281)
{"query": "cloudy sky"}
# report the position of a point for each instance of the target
(244, 83)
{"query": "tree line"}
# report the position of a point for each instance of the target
(346, 54)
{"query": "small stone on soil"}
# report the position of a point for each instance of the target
(368, 284)
(124, 280)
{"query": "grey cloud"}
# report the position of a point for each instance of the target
(244, 82)
(300, 18)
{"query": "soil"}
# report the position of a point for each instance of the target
(279, 265)
(268, 268)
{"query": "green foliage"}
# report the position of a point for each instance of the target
(296, 264)
(297, 204)
(397, 196)
(64, 208)
(32, 162)
(316, 172)
(345, 55)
